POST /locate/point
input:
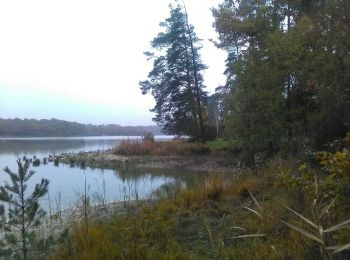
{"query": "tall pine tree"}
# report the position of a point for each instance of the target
(176, 80)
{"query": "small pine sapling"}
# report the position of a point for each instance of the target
(23, 212)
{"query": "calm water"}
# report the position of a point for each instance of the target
(67, 183)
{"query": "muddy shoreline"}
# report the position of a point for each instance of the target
(108, 160)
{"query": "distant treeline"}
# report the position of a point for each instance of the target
(54, 127)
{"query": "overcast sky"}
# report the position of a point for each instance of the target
(81, 60)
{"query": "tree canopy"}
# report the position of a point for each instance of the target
(176, 80)
(288, 71)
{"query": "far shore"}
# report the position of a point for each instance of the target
(122, 137)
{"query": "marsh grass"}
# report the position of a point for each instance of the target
(157, 148)
(321, 227)
(244, 217)
(213, 187)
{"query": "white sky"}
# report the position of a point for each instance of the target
(82, 60)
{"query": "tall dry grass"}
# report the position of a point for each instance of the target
(146, 147)
(225, 218)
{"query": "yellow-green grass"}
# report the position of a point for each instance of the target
(218, 144)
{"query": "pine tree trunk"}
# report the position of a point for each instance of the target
(188, 78)
(196, 83)
(289, 121)
(23, 230)
(197, 91)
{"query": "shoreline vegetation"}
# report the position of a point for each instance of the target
(284, 111)
(155, 155)
(283, 208)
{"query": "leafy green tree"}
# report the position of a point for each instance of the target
(253, 105)
(23, 212)
(176, 80)
(288, 72)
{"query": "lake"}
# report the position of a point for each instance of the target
(68, 183)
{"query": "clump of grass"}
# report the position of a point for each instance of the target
(213, 187)
(219, 144)
(147, 147)
(319, 233)
(239, 187)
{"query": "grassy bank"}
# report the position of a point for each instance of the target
(287, 209)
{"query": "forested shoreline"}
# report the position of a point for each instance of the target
(60, 128)
(287, 73)
(281, 125)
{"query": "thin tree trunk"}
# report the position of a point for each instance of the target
(289, 121)
(196, 83)
(217, 125)
(23, 229)
(288, 16)
(189, 79)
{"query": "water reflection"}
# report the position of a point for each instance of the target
(66, 183)
(47, 146)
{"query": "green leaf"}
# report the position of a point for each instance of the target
(303, 218)
(303, 232)
(249, 236)
(326, 208)
(338, 226)
(254, 199)
(338, 249)
(345, 247)
(254, 211)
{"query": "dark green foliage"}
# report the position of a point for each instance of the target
(288, 72)
(176, 80)
(23, 212)
(210, 132)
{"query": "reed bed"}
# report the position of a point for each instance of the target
(157, 148)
